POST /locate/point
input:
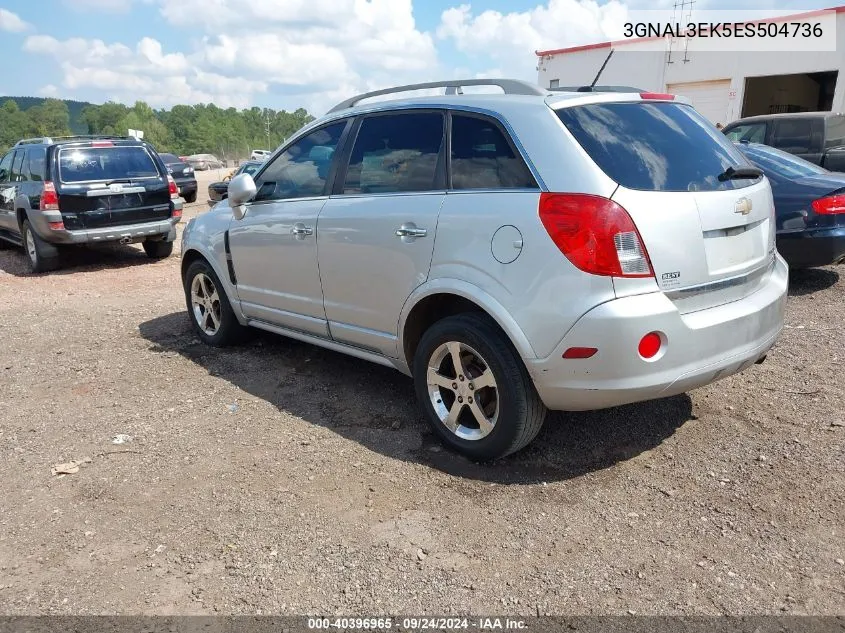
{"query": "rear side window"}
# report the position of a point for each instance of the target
(82, 164)
(835, 131)
(396, 152)
(482, 158)
(655, 146)
(793, 135)
(750, 132)
(36, 158)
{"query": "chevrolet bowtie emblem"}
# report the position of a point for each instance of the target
(743, 206)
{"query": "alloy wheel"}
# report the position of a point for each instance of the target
(30, 247)
(463, 390)
(205, 301)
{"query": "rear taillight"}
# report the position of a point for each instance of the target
(49, 198)
(659, 96)
(596, 234)
(174, 190)
(830, 205)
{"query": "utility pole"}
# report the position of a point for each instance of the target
(267, 128)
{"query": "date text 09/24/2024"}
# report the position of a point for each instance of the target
(416, 624)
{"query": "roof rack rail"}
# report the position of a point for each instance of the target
(453, 86)
(47, 140)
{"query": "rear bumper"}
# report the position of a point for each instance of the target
(132, 232)
(186, 186)
(813, 247)
(699, 348)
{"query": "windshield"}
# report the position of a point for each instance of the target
(84, 164)
(655, 146)
(773, 161)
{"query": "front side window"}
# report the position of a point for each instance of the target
(6, 167)
(482, 158)
(82, 164)
(17, 167)
(396, 153)
(302, 170)
(661, 146)
(749, 132)
(249, 168)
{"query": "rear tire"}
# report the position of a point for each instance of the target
(498, 409)
(191, 197)
(209, 309)
(158, 249)
(42, 256)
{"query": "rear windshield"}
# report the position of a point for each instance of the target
(655, 146)
(82, 164)
(775, 162)
(169, 159)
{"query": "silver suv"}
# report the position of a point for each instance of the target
(514, 253)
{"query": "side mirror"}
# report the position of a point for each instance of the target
(241, 190)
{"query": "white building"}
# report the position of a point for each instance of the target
(723, 86)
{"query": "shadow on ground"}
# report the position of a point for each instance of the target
(376, 407)
(805, 281)
(76, 259)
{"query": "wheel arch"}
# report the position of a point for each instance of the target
(445, 297)
(193, 254)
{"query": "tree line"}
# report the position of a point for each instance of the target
(183, 130)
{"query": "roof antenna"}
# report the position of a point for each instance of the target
(601, 70)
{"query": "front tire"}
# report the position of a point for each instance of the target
(158, 249)
(208, 306)
(42, 256)
(474, 388)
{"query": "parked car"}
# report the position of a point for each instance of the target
(809, 203)
(818, 137)
(218, 191)
(86, 190)
(184, 176)
(503, 283)
(260, 154)
(202, 162)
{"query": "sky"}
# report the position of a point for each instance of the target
(287, 54)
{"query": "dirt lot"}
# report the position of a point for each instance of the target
(280, 478)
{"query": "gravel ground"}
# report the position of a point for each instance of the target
(281, 478)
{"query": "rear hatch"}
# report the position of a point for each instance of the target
(105, 184)
(710, 237)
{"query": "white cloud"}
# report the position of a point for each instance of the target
(314, 52)
(110, 6)
(11, 22)
(510, 39)
(144, 73)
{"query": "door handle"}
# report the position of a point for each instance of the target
(300, 230)
(410, 230)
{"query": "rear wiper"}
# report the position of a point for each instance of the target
(738, 174)
(119, 180)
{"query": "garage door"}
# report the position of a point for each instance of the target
(708, 97)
